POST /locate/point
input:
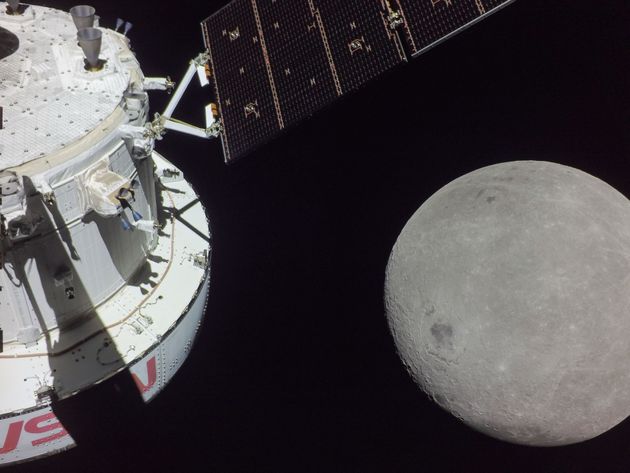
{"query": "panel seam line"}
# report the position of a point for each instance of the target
(331, 61)
(272, 83)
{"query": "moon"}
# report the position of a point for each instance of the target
(508, 298)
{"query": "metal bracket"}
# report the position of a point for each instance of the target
(202, 59)
(394, 18)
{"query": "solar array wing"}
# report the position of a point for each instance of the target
(248, 106)
(276, 62)
(428, 22)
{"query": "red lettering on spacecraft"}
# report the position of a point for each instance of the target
(38, 425)
(13, 437)
(151, 376)
(42, 424)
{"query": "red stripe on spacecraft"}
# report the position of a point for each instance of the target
(151, 376)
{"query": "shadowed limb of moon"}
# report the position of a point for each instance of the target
(9, 43)
(507, 295)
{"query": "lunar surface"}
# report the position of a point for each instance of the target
(508, 296)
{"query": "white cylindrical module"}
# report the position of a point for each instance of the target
(93, 259)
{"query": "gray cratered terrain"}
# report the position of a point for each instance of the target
(508, 296)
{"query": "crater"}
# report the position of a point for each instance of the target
(442, 334)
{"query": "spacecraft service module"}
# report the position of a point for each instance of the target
(104, 246)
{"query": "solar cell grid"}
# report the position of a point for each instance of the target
(276, 62)
(247, 106)
(428, 21)
(286, 59)
(361, 44)
(302, 73)
(242, 84)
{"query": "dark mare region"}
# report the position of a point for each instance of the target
(9, 43)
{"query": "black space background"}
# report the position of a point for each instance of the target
(295, 370)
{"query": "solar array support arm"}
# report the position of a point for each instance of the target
(167, 122)
(182, 127)
(196, 65)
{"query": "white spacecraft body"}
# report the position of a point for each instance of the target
(104, 246)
